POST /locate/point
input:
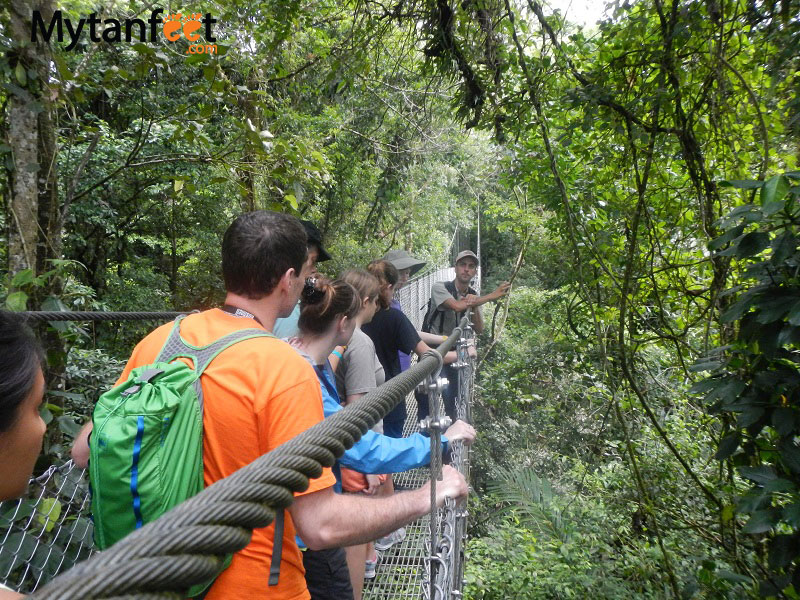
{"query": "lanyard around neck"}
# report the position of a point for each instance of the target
(240, 312)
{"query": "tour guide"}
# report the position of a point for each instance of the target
(449, 302)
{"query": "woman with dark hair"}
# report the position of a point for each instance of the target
(328, 311)
(21, 392)
(21, 427)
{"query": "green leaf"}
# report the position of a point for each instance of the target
(773, 309)
(728, 446)
(46, 415)
(761, 474)
(790, 455)
(705, 366)
(17, 510)
(196, 59)
(706, 385)
(726, 237)
(783, 420)
(24, 277)
(47, 513)
(68, 426)
(783, 246)
(733, 577)
(761, 521)
(19, 72)
(770, 208)
(17, 301)
(774, 189)
(15, 549)
(749, 416)
(70, 395)
(742, 184)
(728, 392)
(749, 245)
(779, 485)
(177, 185)
(791, 514)
(727, 513)
(143, 48)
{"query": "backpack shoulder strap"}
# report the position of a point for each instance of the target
(201, 356)
(450, 286)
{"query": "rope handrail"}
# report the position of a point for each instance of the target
(186, 545)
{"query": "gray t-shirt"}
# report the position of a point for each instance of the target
(439, 294)
(359, 370)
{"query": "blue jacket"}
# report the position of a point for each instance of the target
(375, 453)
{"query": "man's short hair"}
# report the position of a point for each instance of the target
(258, 248)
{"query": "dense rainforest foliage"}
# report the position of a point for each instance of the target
(639, 391)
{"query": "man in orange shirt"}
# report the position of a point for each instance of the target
(260, 393)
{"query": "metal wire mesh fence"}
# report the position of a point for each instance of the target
(46, 532)
(406, 569)
(50, 529)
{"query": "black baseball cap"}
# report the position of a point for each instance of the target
(315, 237)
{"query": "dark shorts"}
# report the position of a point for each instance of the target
(327, 575)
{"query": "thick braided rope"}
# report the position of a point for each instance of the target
(53, 315)
(186, 546)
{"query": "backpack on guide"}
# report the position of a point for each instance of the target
(146, 448)
(434, 312)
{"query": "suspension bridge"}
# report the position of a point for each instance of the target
(46, 546)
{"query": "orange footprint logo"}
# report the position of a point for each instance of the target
(178, 23)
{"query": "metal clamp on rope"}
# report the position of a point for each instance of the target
(432, 386)
(461, 352)
(429, 424)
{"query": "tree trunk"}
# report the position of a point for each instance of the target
(34, 226)
(23, 205)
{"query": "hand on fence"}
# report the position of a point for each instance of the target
(453, 485)
(461, 430)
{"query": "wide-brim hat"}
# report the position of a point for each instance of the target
(403, 260)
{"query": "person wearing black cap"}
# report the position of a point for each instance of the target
(285, 328)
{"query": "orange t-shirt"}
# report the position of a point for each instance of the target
(257, 394)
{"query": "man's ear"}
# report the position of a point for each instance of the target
(287, 280)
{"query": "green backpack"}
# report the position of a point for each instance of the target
(146, 449)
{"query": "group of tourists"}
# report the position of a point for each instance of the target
(334, 340)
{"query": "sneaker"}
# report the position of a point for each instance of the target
(390, 540)
(371, 567)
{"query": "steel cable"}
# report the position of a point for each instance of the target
(54, 315)
(186, 545)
